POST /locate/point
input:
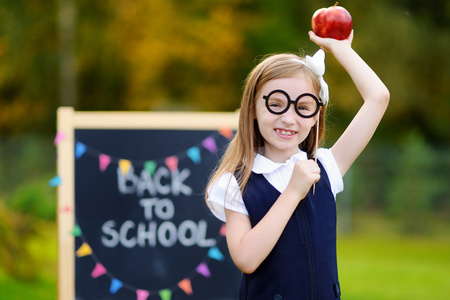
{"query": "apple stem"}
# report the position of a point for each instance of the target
(336, 4)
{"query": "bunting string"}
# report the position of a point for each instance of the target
(105, 160)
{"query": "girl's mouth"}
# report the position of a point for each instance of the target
(285, 132)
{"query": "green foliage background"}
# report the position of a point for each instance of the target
(195, 55)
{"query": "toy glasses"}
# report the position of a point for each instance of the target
(306, 105)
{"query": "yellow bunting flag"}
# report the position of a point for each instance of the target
(186, 286)
(84, 250)
(124, 165)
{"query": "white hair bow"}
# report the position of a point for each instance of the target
(316, 64)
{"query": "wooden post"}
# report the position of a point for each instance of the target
(66, 194)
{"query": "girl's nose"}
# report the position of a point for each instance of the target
(289, 116)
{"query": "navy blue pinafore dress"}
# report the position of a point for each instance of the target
(303, 263)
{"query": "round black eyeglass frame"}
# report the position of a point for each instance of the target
(319, 103)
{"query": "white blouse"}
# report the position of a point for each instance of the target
(225, 192)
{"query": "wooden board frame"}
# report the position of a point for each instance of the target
(68, 120)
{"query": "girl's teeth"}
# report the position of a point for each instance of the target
(283, 132)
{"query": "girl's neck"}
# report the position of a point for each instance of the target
(278, 156)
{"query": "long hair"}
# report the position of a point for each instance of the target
(239, 157)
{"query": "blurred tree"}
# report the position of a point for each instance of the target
(28, 69)
(414, 191)
(195, 54)
(181, 55)
(16, 229)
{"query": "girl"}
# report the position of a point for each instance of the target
(275, 191)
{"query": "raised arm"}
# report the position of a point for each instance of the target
(373, 91)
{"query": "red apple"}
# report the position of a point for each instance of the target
(333, 22)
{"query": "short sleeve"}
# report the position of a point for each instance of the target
(225, 193)
(326, 157)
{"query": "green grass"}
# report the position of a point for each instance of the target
(375, 262)
(42, 288)
(44, 249)
(385, 268)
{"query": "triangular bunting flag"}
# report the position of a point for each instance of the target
(124, 165)
(65, 209)
(104, 161)
(194, 154)
(55, 181)
(80, 149)
(210, 144)
(150, 166)
(142, 294)
(98, 271)
(59, 137)
(223, 230)
(171, 162)
(116, 285)
(226, 132)
(215, 253)
(84, 250)
(186, 286)
(203, 270)
(165, 294)
(76, 230)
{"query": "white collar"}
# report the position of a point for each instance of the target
(263, 165)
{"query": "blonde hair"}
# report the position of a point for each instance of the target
(239, 157)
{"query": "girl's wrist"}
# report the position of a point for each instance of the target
(294, 194)
(339, 48)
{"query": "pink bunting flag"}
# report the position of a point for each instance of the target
(210, 144)
(59, 137)
(223, 230)
(65, 209)
(98, 271)
(104, 161)
(203, 270)
(142, 294)
(171, 162)
(186, 286)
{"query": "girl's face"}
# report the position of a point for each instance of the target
(283, 133)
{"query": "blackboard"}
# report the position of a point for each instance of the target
(140, 226)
